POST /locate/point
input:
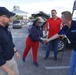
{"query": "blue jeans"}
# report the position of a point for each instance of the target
(72, 70)
(52, 44)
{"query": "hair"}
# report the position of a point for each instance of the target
(53, 10)
(67, 15)
(34, 23)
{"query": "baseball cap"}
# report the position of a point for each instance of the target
(5, 11)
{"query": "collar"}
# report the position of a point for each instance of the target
(6, 27)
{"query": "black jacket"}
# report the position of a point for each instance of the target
(35, 33)
(6, 45)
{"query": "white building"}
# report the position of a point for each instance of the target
(17, 11)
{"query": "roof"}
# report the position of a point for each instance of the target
(20, 11)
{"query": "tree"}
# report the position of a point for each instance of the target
(18, 17)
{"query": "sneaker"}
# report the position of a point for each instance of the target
(36, 64)
(23, 59)
(46, 57)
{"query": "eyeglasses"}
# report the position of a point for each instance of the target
(5, 16)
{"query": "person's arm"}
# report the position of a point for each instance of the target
(3, 62)
(15, 50)
(46, 29)
(56, 35)
(53, 37)
(46, 26)
(17, 54)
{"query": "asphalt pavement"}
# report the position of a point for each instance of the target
(46, 67)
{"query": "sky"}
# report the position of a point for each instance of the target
(32, 6)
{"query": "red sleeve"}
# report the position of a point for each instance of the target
(47, 24)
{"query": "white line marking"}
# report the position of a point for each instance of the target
(58, 67)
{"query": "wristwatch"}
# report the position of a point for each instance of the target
(15, 51)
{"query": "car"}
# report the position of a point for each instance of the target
(23, 22)
(29, 24)
(29, 27)
(16, 24)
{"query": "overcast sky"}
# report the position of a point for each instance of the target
(32, 6)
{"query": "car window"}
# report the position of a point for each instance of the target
(16, 21)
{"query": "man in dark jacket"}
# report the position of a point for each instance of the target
(7, 49)
(69, 30)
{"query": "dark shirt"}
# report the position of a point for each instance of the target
(35, 34)
(6, 45)
(70, 33)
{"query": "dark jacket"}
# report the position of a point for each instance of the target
(35, 34)
(6, 45)
(70, 33)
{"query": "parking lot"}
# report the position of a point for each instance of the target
(46, 67)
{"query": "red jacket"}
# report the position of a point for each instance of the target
(53, 26)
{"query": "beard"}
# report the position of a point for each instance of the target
(6, 24)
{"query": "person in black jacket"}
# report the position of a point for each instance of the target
(8, 65)
(33, 40)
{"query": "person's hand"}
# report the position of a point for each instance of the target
(45, 41)
(62, 36)
(11, 72)
(17, 55)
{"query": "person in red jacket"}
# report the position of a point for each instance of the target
(53, 27)
(33, 40)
